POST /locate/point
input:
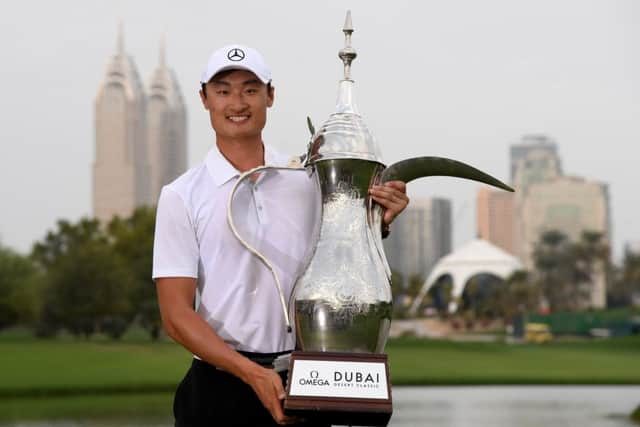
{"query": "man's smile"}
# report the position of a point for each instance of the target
(238, 118)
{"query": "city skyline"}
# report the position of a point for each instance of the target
(485, 77)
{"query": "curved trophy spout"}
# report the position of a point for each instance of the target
(419, 167)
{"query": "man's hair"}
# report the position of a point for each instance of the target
(222, 73)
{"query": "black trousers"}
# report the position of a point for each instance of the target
(209, 397)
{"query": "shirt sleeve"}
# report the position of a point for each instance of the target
(175, 247)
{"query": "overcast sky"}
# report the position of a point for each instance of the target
(460, 79)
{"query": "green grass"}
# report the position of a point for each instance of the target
(33, 368)
(422, 362)
(66, 367)
(147, 408)
(99, 379)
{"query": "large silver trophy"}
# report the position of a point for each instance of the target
(341, 303)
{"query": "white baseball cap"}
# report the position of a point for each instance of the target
(236, 57)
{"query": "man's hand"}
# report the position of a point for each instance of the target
(392, 196)
(267, 385)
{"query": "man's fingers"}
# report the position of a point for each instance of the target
(277, 413)
(398, 185)
(289, 420)
(268, 387)
(392, 196)
(388, 191)
(389, 198)
(279, 388)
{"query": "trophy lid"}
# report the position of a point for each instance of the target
(344, 135)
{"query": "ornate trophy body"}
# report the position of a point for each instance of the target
(341, 303)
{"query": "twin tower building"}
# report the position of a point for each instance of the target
(140, 135)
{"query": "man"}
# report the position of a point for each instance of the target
(238, 328)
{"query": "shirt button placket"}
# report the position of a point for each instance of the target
(258, 202)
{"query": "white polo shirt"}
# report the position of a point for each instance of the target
(236, 292)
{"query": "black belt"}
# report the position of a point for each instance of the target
(265, 360)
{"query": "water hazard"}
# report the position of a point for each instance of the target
(500, 406)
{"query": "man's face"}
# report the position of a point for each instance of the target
(237, 102)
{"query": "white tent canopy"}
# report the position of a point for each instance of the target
(475, 257)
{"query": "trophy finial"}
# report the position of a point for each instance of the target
(348, 26)
(347, 54)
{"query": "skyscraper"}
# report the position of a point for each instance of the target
(499, 214)
(495, 212)
(419, 237)
(166, 126)
(140, 142)
(534, 159)
(121, 168)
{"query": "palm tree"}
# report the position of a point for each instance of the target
(521, 295)
(592, 259)
(627, 282)
(567, 271)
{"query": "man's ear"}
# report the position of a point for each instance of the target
(271, 96)
(203, 98)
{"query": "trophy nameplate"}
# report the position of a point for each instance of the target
(339, 388)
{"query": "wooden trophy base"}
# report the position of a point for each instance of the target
(339, 388)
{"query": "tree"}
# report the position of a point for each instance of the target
(557, 276)
(488, 297)
(87, 284)
(521, 295)
(416, 282)
(631, 270)
(19, 289)
(592, 258)
(566, 271)
(404, 294)
(627, 281)
(483, 297)
(132, 239)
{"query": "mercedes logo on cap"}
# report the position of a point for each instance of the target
(235, 54)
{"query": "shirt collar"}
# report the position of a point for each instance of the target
(222, 171)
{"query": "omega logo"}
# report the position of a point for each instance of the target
(313, 379)
(235, 54)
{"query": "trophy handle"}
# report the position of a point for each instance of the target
(294, 165)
